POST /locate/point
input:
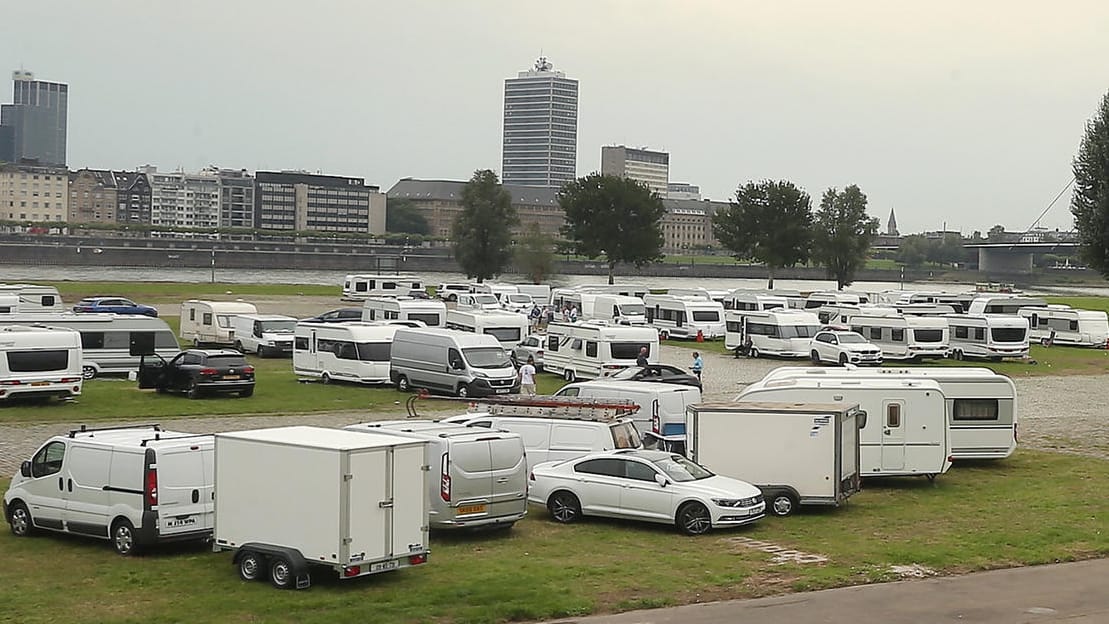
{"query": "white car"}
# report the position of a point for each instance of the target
(450, 292)
(843, 347)
(532, 346)
(517, 302)
(655, 486)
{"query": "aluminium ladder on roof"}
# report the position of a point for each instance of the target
(571, 408)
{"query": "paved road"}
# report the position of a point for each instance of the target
(1075, 593)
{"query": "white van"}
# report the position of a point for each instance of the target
(209, 322)
(357, 351)
(1064, 325)
(477, 301)
(430, 312)
(31, 298)
(781, 332)
(509, 328)
(450, 361)
(39, 362)
(685, 316)
(481, 476)
(905, 337)
(618, 309)
(106, 338)
(357, 287)
(521, 303)
(264, 334)
(1003, 304)
(661, 405)
(594, 349)
(540, 293)
(136, 486)
(987, 336)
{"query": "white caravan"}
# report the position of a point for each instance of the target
(133, 485)
(841, 313)
(904, 337)
(685, 317)
(747, 300)
(209, 322)
(264, 334)
(31, 298)
(796, 453)
(39, 362)
(594, 349)
(106, 338)
(430, 312)
(906, 430)
(477, 301)
(618, 309)
(357, 352)
(1003, 304)
(1064, 325)
(820, 299)
(981, 404)
(290, 498)
(509, 328)
(540, 293)
(357, 287)
(990, 336)
(717, 295)
(780, 332)
(661, 408)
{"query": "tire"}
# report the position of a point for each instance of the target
(261, 351)
(664, 335)
(843, 359)
(755, 353)
(251, 566)
(246, 394)
(463, 391)
(402, 384)
(564, 507)
(569, 375)
(19, 519)
(123, 537)
(815, 357)
(325, 378)
(693, 519)
(781, 504)
(281, 573)
(88, 372)
(959, 355)
(239, 346)
(193, 392)
(196, 343)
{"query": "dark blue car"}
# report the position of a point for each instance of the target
(115, 305)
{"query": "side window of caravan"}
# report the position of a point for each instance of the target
(897, 335)
(192, 314)
(979, 333)
(893, 415)
(207, 320)
(552, 343)
(974, 409)
(92, 340)
(591, 349)
(960, 331)
(48, 301)
(360, 286)
(300, 343)
(164, 340)
(117, 340)
(875, 333)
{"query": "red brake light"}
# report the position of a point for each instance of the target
(352, 571)
(70, 379)
(417, 559)
(150, 487)
(209, 371)
(445, 479)
(10, 382)
(248, 369)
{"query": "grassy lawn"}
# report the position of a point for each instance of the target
(1032, 508)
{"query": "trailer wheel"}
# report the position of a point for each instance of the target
(958, 354)
(123, 537)
(325, 378)
(88, 372)
(402, 384)
(281, 573)
(569, 375)
(754, 353)
(196, 343)
(251, 565)
(694, 519)
(782, 504)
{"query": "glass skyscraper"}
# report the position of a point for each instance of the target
(34, 124)
(540, 128)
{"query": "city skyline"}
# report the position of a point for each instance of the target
(968, 115)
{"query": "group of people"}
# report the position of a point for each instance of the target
(541, 316)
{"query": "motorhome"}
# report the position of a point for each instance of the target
(831, 297)
(444, 360)
(356, 352)
(31, 298)
(660, 406)
(477, 301)
(904, 337)
(685, 317)
(360, 286)
(841, 313)
(804, 453)
(1064, 325)
(990, 336)
(39, 362)
(509, 328)
(209, 322)
(264, 334)
(779, 332)
(906, 430)
(618, 309)
(594, 349)
(559, 295)
(430, 312)
(1003, 304)
(981, 404)
(106, 338)
(744, 299)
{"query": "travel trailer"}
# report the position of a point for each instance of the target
(39, 362)
(594, 349)
(540, 293)
(751, 300)
(780, 332)
(31, 298)
(716, 295)
(990, 336)
(209, 322)
(509, 328)
(477, 301)
(356, 352)
(832, 297)
(904, 337)
(264, 334)
(685, 317)
(361, 286)
(1003, 304)
(1064, 325)
(430, 312)
(618, 309)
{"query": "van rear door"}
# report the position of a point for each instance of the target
(185, 476)
(471, 480)
(508, 475)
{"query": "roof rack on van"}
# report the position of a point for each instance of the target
(573, 408)
(73, 432)
(158, 437)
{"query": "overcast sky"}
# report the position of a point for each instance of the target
(959, 112)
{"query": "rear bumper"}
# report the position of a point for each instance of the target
(54, 390)
(476, 522)
(224, 386)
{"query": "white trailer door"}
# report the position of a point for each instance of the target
(893, 435)
(409, 516)
(368, 518)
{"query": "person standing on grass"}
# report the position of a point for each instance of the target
(642, 359)
(527, 377)
(698, 365)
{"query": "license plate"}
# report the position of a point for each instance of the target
(502, 390)
(40, 383)
(230, 376)
(381, 566)
(471, 509)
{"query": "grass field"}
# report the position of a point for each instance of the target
(1032, 508)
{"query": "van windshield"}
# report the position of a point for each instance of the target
(487, 357)
(681, 469)
(519, 298)
(279, 327)
(631, 309)
(485, 300)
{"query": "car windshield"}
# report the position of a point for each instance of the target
(632, 309)
(851, 339)
(681, 469)
(519, 298)
(279, 327)
(487, 357)
(798, 331)
(485, 299)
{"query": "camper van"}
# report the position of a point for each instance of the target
(594, 349)
(753, 300)
(430, 312)
(781, 332)
(904, 337)
(444, 360)
(906, 429)
(1064, 325)
(685, 316)
(990, 336)
(39, 362)
(264, 334)
(31, 298)
(1003, 304)
(357, 352)
(361, 286)
(517, 302)
(618, 309)
(209, 322)
(981, 404)
(509, 328)
(661, 406)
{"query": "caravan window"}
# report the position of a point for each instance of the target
(875, 333)
(38, 361)
(893, 415)
(928, 335)
(224, 320)
(48, 301)
(504, 334)
(360, 286)
(1008, 334)
(591, 349)
(92, 340)
(974, 409)
(425, 318)
(552, 343)
(300, 343)
(798, 331)
(979, 333)
(627, 350)
(961, 332)
(706, 316)
(374, 351)
(192, 314)
(207, 320)
(897, 335)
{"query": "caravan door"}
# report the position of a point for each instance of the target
(893, 435)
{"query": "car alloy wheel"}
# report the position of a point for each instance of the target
(694, 519)
(782, 504)
(20, 521)
(564, 507)
(88, 372)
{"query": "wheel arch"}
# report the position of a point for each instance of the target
(295, 558)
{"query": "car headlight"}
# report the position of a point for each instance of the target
(736, 502)
(269, 343)
(481, 374)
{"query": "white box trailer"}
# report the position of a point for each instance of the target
(290, 498)
(796, 453)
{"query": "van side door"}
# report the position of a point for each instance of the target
(46, 495)
(86, 475)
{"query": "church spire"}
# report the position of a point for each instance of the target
(891, 225)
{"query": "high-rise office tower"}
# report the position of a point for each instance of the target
(642, 165)
(540, 145)
(34, 124)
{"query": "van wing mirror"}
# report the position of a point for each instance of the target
(142, 343)
(25, 469)
(661, 480)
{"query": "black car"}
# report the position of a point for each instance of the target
(338, 315)
(198, 372)
(660, 373)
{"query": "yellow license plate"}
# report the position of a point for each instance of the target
(230, 376)
(40, 383)
(471, 509)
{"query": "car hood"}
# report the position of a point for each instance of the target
(859, 348)
(718, 486)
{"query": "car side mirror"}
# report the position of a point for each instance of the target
(25, 469)
(661, 480)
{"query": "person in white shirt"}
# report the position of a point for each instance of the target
(527, 377)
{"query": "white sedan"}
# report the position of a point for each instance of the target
(655, 486)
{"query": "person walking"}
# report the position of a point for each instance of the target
(573, 313)
(642, 359)
(527, 377)
(698, 365)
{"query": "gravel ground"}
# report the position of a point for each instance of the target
(1078, 425)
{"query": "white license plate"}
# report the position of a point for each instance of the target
(502, 390)
(381, 566)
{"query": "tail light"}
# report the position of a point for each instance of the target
(150, 487)
(531, 476)
(445, 479)
(70, 379)
(417, 559)
(352, 571)
(248, 370)
(209, 371)
(10, 382)
(1015, 439)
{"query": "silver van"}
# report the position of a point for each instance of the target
(453, 362)
(480, 476)
(554, 439)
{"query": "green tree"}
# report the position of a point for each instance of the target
(1090, 202)
(843, 233)
(996, 233)
(769, 222)
(401, 216)
(613, 217)
(482, 232)
(913, 250)
(535, 254)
